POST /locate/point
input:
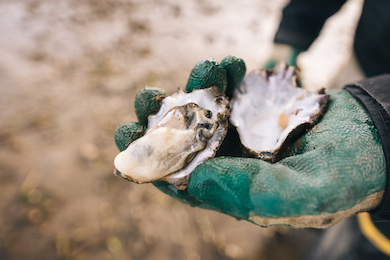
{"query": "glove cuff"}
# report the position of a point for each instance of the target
(374, 95)
(321, 221)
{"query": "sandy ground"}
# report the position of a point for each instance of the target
(69, 71)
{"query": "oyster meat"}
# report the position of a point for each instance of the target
(188, 129)
(269, 111)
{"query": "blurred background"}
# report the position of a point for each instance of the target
(69, 71)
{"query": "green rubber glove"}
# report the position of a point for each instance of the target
(283, 53)
(332, 172)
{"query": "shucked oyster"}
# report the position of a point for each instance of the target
(168, 146)
(269, 111)
(188, 129)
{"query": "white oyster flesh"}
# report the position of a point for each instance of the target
(168, 146)
(188, 129)
(268, 107)
(210, 99)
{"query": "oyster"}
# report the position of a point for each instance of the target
(269, 111)
(188, 129)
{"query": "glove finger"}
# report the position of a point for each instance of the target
(180, 195)
(207, 73)
(127, 133)
(235, 72)
(293, 57)
(270, 64)
(226, 75)
(148, 102)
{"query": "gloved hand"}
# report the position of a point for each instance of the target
(283, 53)
(335, 170)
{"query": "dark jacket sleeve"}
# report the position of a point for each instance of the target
(374, 94)
(372, 38)
(302, 21)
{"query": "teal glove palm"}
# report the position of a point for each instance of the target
(332, 172)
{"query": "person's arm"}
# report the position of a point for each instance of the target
(302, 21)
(301, 24)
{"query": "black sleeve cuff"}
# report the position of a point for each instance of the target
(374, 94)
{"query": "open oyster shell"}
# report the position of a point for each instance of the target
(269, 111)
(188, 129)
